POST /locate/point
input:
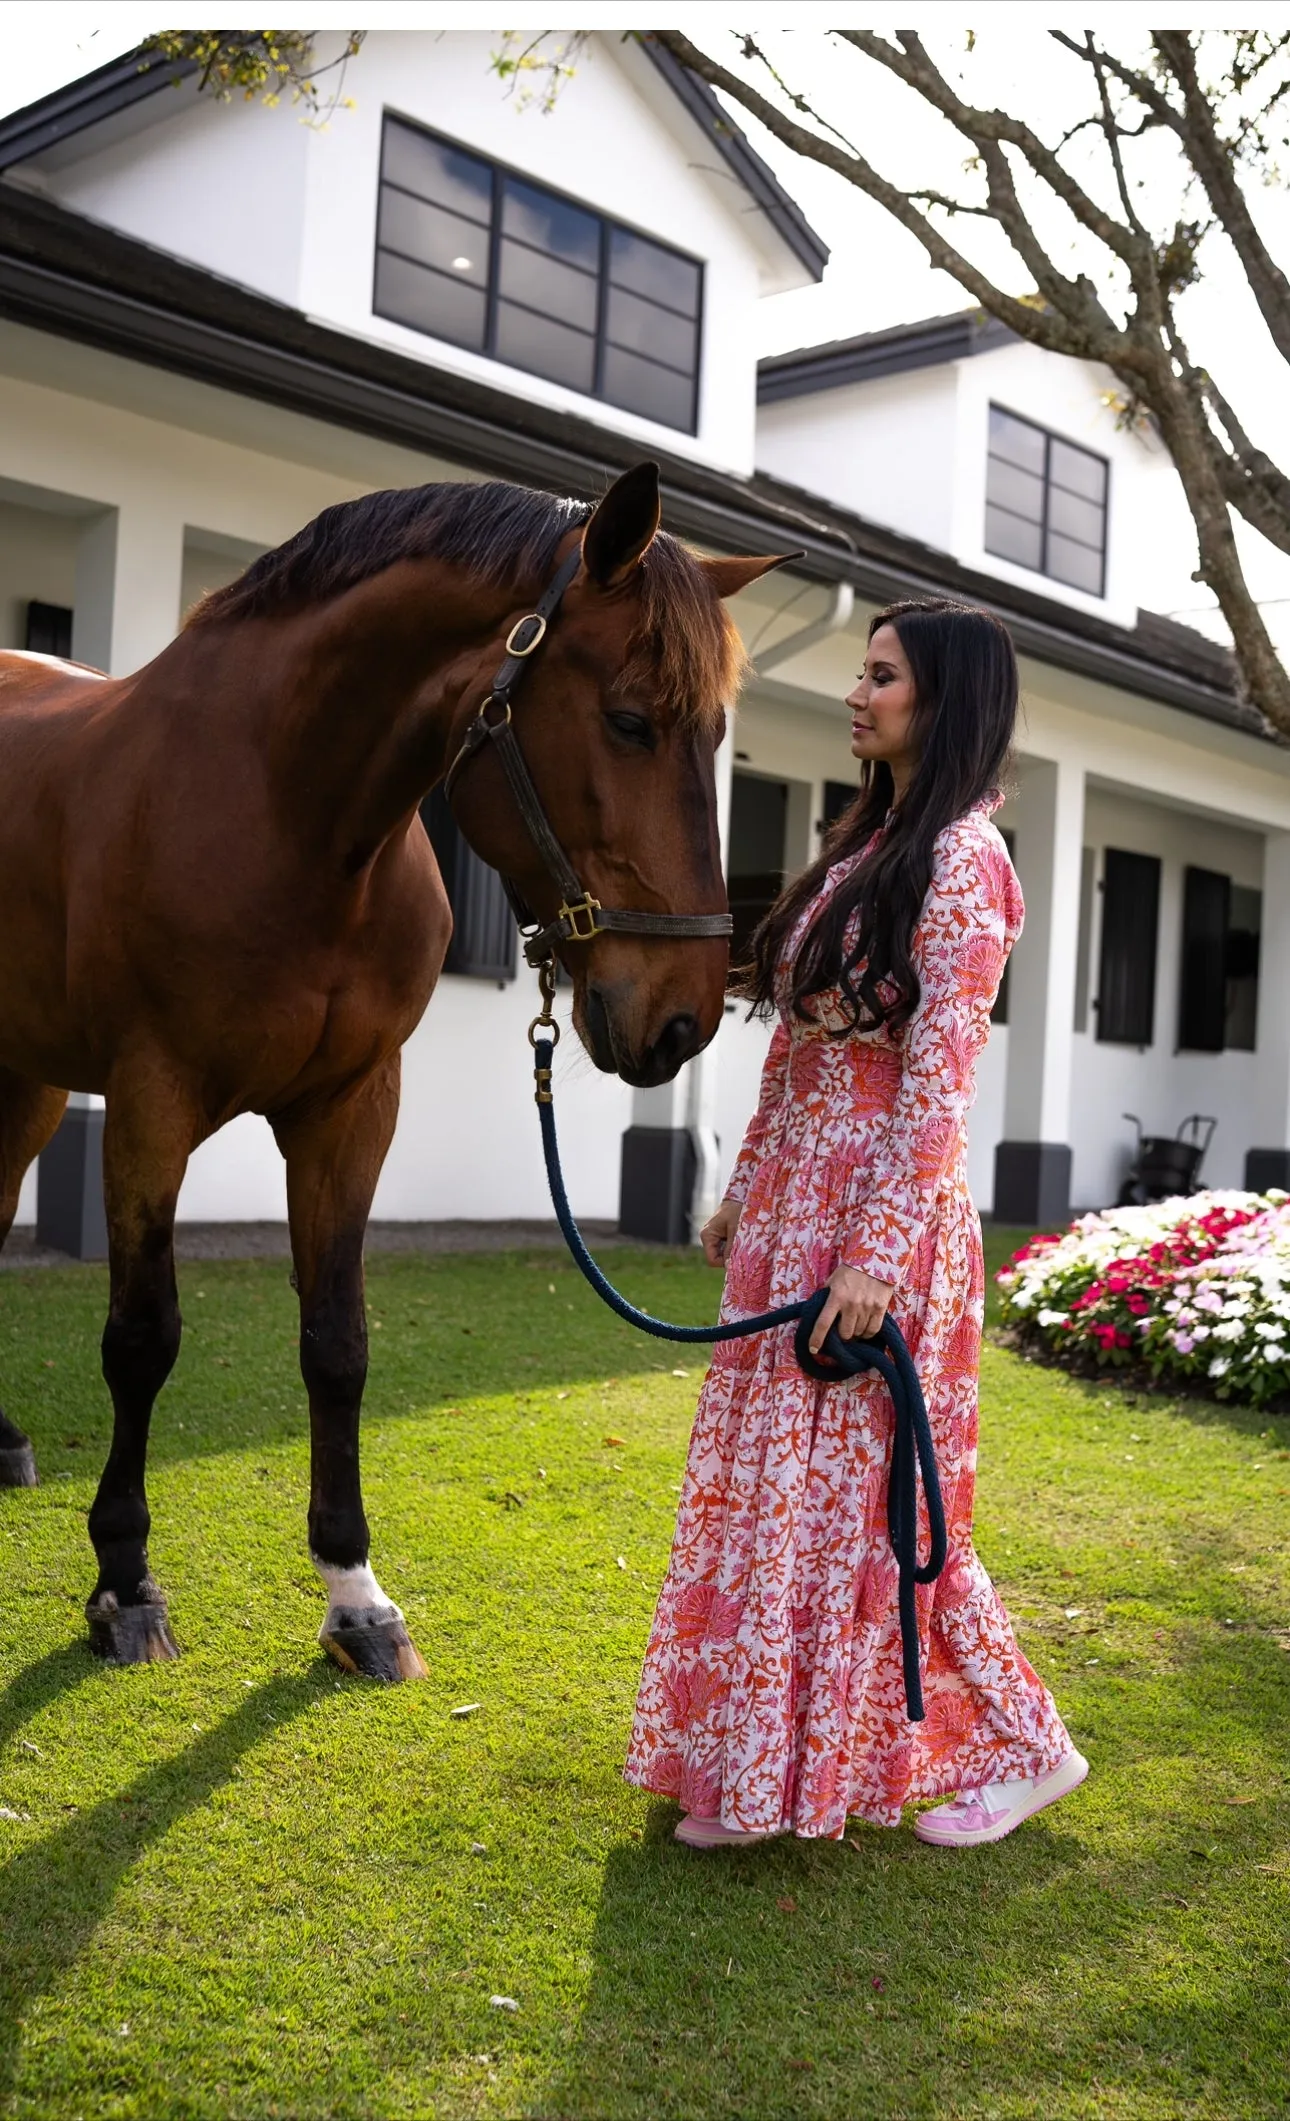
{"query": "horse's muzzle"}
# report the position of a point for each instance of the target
(679, 1040)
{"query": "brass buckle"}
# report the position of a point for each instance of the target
(584, 909)
(531, 618)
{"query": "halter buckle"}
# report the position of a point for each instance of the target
(572, 917)
(516, 647)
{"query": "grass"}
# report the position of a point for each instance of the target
(241, 1885)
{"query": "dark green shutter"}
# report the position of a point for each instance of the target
(1126, 1002)
(1202, 986)
(483, 942)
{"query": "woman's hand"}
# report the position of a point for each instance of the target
(717, 1236)
(857, 1304)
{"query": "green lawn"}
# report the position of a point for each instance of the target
(241, 1885)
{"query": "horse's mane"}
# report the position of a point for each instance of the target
(685, 646)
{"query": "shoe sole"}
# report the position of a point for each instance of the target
(722, 1841)
(1063, 1779)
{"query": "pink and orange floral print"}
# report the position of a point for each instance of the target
(772, 1697)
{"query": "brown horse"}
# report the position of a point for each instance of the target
(218, 898)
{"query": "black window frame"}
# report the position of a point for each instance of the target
(495, 295)
(47, 629)
(1047, 482)
(1129, 952)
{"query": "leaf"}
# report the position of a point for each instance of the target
(613, 1443)
(503, 2003)
(786, 1904)
(467, 1708)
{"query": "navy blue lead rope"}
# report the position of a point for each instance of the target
(911, 1446)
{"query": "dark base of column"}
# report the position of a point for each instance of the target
(69, 1188)
(1032, 1183)
(657, 1184)
(1266, 1169)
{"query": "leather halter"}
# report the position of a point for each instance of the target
(581, 918)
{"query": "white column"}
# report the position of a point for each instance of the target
(1270, 1121)
(129, 580)
(1033, 1161)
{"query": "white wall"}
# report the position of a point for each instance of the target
(259, 197)
(887, 450)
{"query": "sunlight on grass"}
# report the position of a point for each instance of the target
(242, 1885)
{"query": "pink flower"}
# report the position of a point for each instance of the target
(1183, 1342)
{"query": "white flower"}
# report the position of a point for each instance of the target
(1052, 1318)
(1270, 1332)
(1220, 1366)
(1231, 1329)
(1274, 1352)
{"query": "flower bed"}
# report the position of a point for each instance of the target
(1192, 1292)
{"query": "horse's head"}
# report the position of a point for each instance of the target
(619, 718)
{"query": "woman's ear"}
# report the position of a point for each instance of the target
(623, 527)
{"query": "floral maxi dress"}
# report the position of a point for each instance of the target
(772, 1695)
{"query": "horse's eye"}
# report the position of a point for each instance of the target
(635, 727)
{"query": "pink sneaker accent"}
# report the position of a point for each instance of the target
(975, 1816)
(710, 1834)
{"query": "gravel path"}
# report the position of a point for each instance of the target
(269, 1240)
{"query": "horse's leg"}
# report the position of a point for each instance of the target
(334, 1158)
(29, 1114)
(147, 1136)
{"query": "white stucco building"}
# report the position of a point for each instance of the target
(215, 321)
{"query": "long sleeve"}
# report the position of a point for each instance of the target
(969, 918)
(774, 1076)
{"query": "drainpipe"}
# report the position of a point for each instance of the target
(701, 1087)
(838, 615)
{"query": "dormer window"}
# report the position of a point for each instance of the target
(1045, 503)
(470, 252)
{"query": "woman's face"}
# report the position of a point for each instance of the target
(882, 707)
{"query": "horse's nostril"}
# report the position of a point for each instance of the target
(676, 1043)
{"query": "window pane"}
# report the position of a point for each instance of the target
(1016, 440)
(1074, 518)
(437, 172)
(1068, 562)
(1077, 470)
(551, 224)
(641, 386)
(545, 347)
(434, 237)
(1009, 538)
(1019, 491)
(649, 270)
(553, 290)
(429, 301)
(641, 327)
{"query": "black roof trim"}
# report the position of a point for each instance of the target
(64, 274)
(899, 348)
(756, 176)
(71, 109)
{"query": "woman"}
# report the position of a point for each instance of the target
(772, 1699)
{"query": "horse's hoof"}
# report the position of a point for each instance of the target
(18, 1467)
(372, 1641)
(130, 1634)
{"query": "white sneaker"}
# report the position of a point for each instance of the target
(988, 1814)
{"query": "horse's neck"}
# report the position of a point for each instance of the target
(372, 695)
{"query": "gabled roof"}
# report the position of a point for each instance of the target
(123, 83)
(900, 347)
(62, 273)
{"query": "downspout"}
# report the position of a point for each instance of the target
(701, 1098)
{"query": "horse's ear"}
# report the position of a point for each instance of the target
(729, 576)
(623, 527)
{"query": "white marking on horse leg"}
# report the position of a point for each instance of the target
(353, 1590)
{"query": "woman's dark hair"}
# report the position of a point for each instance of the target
(965, 692)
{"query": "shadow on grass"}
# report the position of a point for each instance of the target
(1123, 1954)
(56, 1891)
(34, 1688)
